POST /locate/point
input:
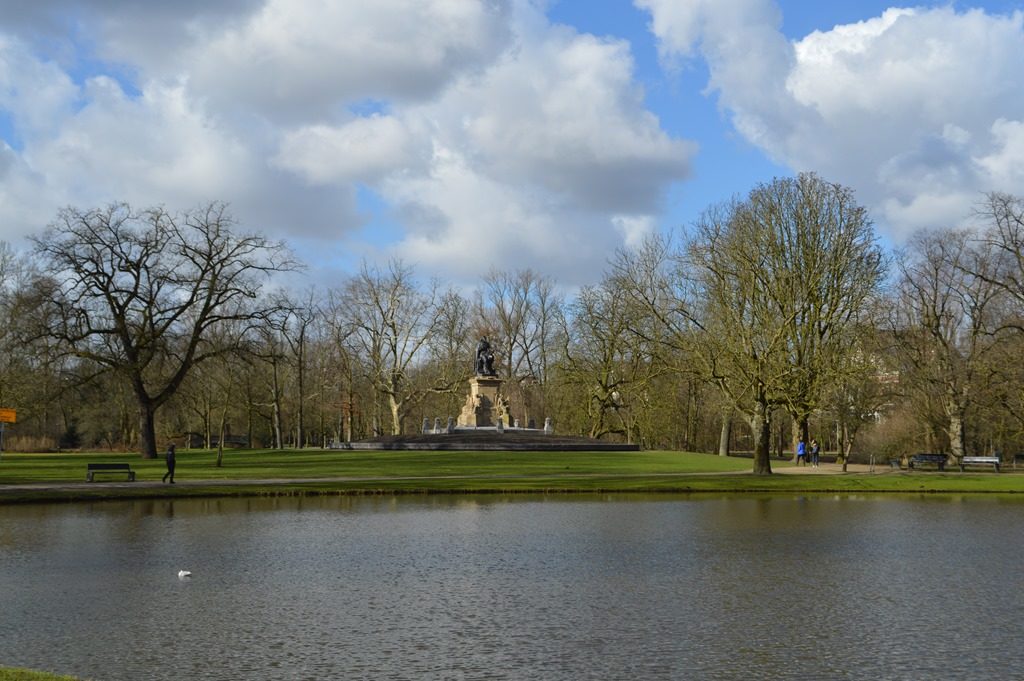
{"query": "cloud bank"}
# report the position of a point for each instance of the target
(920, 110)
(491, 136)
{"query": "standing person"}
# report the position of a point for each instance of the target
(801, 452)
(169, 458)
(815, 450)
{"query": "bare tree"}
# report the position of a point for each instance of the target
(825, 271)
(296, 329)
(604, 360)
(525, 311)
(944, 321)
(139, 292)
(1004, 237)
(451, 348)
(391, 322)
(743, 344)
(864, 387)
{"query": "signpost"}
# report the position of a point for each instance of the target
(6, 416)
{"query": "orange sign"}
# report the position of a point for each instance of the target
(7, 415)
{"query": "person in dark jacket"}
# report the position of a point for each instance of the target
(169, 458)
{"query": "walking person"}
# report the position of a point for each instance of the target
(815, 450)
(169, 458)
(801, 453)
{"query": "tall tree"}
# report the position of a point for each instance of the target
(944, 321)
(1004, 236)
(391, 321)
(524, 310)
(827, 270)
(763, 294)
(604, 360)
(139, 292)
(743, 344)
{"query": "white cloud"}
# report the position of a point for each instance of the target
(635, 229)
(38, 94)
(917, 109)
(93, 143)
(491, 137)
(1004, 164)
(363, 150)
(531, 161)
(299, 60)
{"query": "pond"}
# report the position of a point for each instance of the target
(520, 587)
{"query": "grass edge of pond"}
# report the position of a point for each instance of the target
(19, 674)
(45, 478)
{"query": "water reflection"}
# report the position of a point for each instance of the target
(514, 587)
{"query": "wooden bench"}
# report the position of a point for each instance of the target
(93, 468)
(929, 459)
(980, 461)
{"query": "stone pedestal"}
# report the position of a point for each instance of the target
(484, 404)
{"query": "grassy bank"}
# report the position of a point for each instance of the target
(53, 477)
(316, 463)
(11, 674)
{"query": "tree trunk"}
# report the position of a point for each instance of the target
(220, 440)
(957, 437)
(223, 430)
(278, 438)
(801, 431)
(299, 434)
(847, 446)
(207, 424)
(347, 416)
(396, 418)
(147, 429)
(723, 438)
(761, 430)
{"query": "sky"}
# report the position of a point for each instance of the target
(461, 136)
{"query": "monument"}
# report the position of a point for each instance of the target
(486, 423)
(485, 404)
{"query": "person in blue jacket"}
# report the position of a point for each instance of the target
(801, 453)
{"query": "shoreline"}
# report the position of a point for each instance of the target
(43, 478)
(785, 481)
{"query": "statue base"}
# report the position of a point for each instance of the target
(484, 404)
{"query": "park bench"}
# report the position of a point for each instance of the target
(93, 468)
(894, 464)
(980, 461)
(929, 459)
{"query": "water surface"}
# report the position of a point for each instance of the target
(524, 587)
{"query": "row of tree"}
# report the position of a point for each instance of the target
(779, 310)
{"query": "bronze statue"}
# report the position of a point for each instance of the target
(484, 358)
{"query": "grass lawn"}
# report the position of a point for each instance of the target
(11, 674)
(313, 471)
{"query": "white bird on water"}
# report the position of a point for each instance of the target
(182, 574)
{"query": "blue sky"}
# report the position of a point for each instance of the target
(462, 137)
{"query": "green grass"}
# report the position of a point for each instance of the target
(12, 674)
(302, 472)
(313, 463)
